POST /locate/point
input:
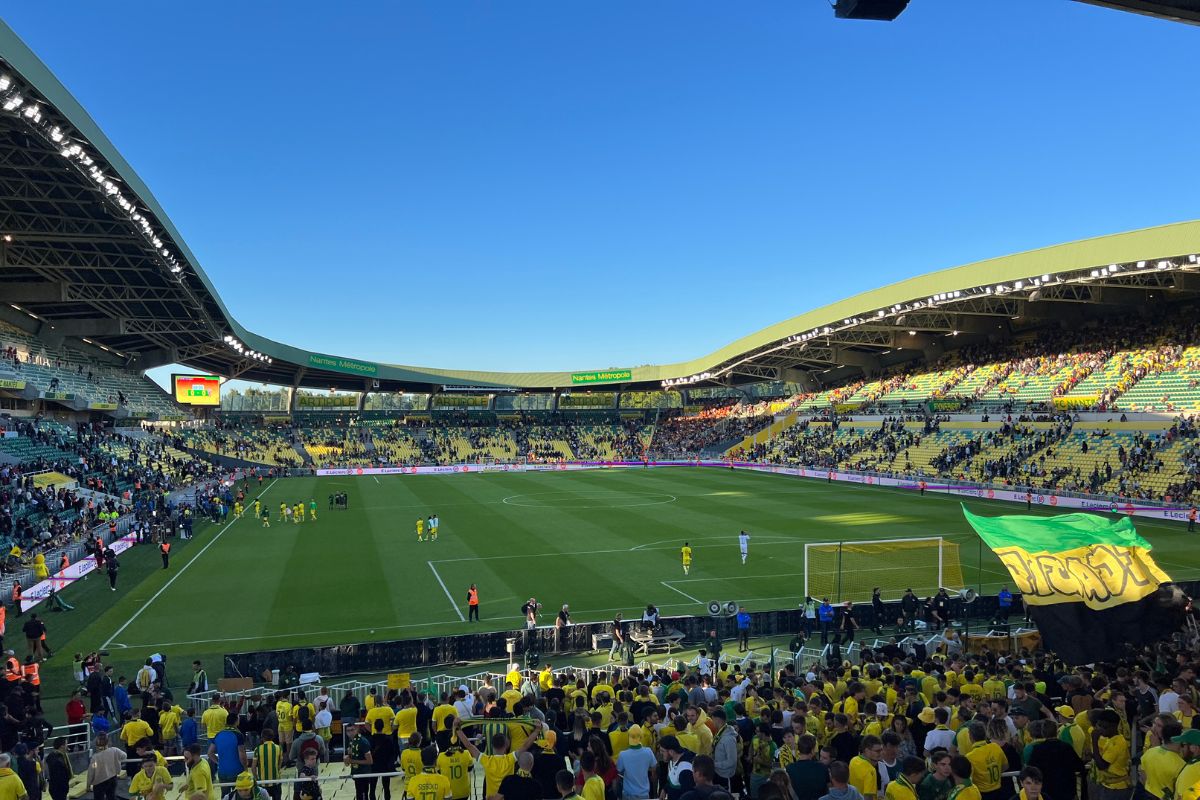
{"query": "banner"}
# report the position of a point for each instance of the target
(944, 405)
(1071, 403)
(846, 408)
(330, 401)
(102, 406)
(9, 383)
(1088, 582)
(338, 364)
(602, 376)
(58, 581)
(58, 395)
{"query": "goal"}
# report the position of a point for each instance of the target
(851, 570)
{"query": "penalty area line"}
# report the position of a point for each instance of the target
(682, 592)
(175, 577)
(442, 583)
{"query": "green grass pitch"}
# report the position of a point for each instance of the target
(602, 541)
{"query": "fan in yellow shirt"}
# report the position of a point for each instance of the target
(988, 761)
(151, 782)
(1161, 765)
(502, 763)
(213, 718)
(384, 712)
(410, 757)
(456, 764)
(864, 767)
(429, 784)
(912, 770)
(960, 769)
(1110, 751)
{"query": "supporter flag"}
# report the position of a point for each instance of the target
(1089, 582)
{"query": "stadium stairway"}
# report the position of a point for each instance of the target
(302, 451)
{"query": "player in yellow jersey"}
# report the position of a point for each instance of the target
(257, 507)
(686, 553)
(283, 507)
(420, 529)
(237, 510)
(312, 509)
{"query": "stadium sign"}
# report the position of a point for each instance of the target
(8, 383)
(602, 376)
(58, 395)
(338, 364)
(102, 406)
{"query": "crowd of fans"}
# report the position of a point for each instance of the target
(902, 724)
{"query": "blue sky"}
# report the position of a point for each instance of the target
(570, 185)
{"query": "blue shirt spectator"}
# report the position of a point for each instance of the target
(825, 612)
(743, 621)
(634, 765)
(1005, 598)
(189, 731)
(230, 751)
(121, 699)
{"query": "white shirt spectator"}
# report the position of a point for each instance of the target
(938, 738)
(1168, 702)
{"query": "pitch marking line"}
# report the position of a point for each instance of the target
(770, 538)
(175, 577)
(647, 547)
(681, 591)
(300, 635)
(447, 591)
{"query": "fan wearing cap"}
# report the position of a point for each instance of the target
(1070, 731)
(244, 788)
(1187, 785)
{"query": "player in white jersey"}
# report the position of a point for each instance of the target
(744, 545)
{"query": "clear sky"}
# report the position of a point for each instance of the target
(586, 184)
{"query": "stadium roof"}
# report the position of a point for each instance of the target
(88, 255)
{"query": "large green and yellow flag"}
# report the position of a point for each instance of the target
(1089, 581)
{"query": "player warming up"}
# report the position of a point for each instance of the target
(744, 545)
(420, 529)
(686, 553)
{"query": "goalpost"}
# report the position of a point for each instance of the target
(851, 570)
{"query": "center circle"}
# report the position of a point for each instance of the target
(602, 499)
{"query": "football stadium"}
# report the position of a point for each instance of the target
(934, 539)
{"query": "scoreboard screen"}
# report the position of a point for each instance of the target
(197, 390)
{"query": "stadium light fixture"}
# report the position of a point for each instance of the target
(1141, 265)
(1164, 264)
(912, 333)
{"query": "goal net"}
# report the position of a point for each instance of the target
(850, 570)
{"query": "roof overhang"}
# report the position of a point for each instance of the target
(87, 253)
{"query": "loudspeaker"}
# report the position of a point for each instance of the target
(886, 10)
(731, 609)
(714, 608)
